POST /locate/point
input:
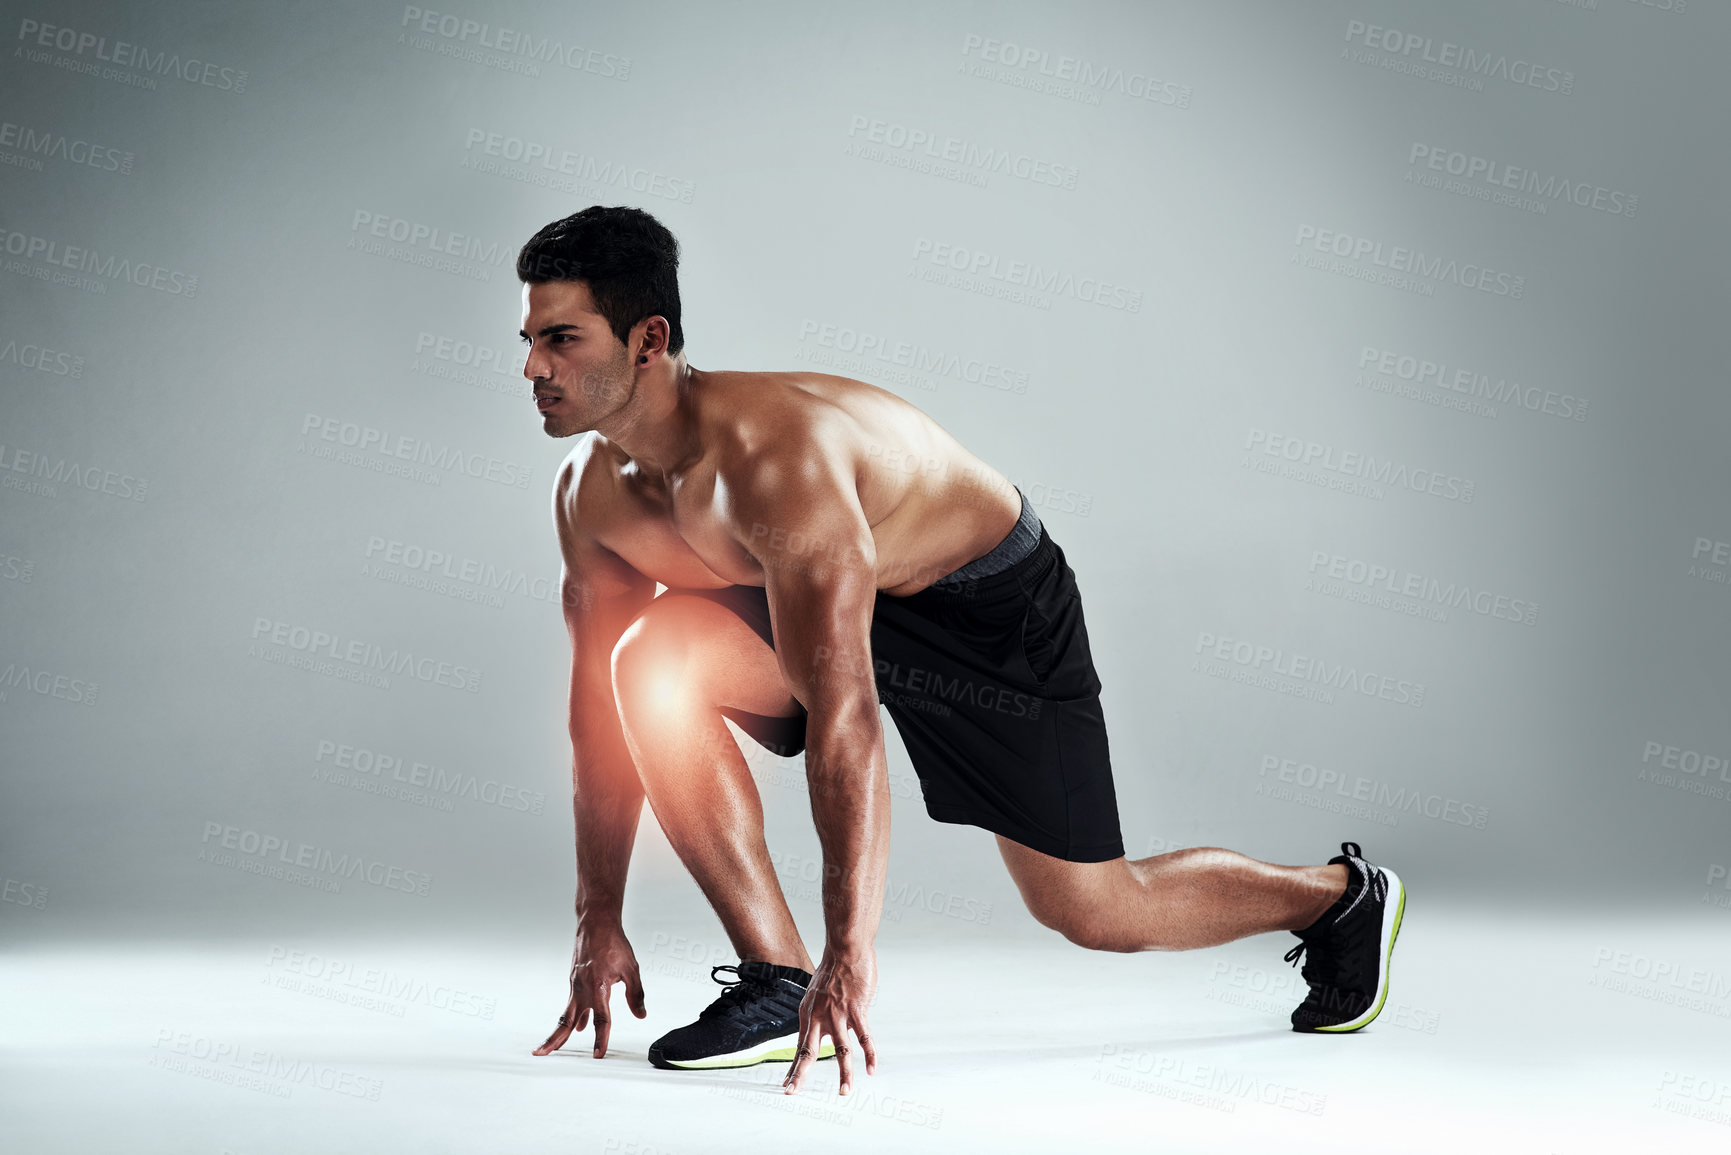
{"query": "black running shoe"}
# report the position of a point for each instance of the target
(756, 1020)
(1349, 948)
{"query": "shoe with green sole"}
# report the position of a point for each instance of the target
(756, 1020)
(1349, 949)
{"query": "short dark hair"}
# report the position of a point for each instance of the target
(627, 258)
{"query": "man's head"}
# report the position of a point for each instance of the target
(600, 301)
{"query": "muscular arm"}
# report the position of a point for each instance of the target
(797, 511)
(601, 593)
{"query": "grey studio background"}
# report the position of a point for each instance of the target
(1368, 361)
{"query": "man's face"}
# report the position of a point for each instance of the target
(579, 369)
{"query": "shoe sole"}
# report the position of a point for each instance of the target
(771, 1051)
(1390, 931)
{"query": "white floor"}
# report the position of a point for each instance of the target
(1501, 1034)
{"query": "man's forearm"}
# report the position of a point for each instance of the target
(606, 802)
(848, 777)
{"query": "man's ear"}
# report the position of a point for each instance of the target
(653, 341)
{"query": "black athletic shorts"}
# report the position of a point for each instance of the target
(992, 687)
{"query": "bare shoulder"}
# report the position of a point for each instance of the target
(584, 508)
(787, 468)
(780, 430)
(576, 489)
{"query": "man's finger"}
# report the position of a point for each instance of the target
(791, 1082)
(843, 1057)
(803, 1058)
(562, 1031)
(634, 993)
(796, 1073)
(554, 1040)
(601, 994)
(866, 1046)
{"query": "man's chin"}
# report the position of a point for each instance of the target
(553, 427)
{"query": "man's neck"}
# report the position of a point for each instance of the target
(657, 429)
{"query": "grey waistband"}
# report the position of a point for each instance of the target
(1018, 544)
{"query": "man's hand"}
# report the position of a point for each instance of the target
(836, 1001)
(602, 957)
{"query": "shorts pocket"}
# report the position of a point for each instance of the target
(1037, 646)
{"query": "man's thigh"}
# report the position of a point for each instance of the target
(745, 676)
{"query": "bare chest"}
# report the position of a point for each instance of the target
(678, 537)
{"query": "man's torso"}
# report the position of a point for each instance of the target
(932, 505)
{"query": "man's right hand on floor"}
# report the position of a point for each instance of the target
(602, 958)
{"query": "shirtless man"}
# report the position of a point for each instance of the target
(828, 548)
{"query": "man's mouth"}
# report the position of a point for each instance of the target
(546, 401)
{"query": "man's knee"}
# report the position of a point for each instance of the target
(1084, 923)
(650, 661)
